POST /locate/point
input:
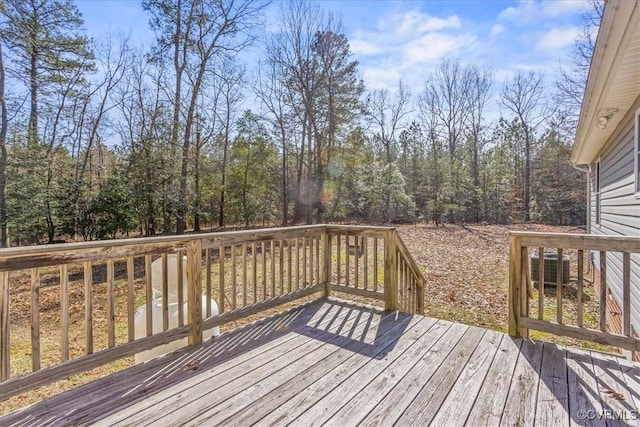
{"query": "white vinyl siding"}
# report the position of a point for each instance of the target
(616, 209)
(596, 192)
(637, 154)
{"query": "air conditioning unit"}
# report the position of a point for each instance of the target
(550, 268)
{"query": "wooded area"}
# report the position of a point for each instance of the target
(102, 137)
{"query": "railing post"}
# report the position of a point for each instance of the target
(390, 271)
(515, 285)
(420, 292)
(326, 262)
(194, 290)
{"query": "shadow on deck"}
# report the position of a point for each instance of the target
(336, 363)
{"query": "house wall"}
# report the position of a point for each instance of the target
(619, 212)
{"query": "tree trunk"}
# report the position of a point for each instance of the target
(224, 168)
(196, 184)
(527, 174)
(3, 157)
(176, 120)
(285, 199)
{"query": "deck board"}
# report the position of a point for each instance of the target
(583, 387)
(292, 399)
(340, 364)
(429, 399)
(393, 404)
(553, 394)
(522, 399)
(365, 390)
(490, 401)
(458, 405)
(615, 396)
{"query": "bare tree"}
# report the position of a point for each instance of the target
(524, 96)
(572, 81)
(231, 77)
(272, 91)
(197, 31)
(388, 115)
(480, 82)
(446, 97)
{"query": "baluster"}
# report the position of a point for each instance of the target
(304, 261)
(234, 287)
(165, 291)
(317, 240)
(559, 285)
(35, 319)
(541, 283)
(375, 264)
(273, 268)
(264, 270)
(339, 259)
(580, 286)
(222, 256)
(131, 295)
(297, 263)
(64, 306)
(254, 272)
(88, 306)
(603, 291)
(111, 302)
(180, 269)
(289, 264)
(207, 255)
(626, 294)
(244, 274)
(356, 260)
(5, 341)
(280, 242)
(365, 262)
(348, 253)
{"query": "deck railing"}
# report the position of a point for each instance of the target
(604, 252)
(243, 272)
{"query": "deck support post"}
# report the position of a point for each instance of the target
(326, 262)
(390, 270)
(518, 296)
(194, 290)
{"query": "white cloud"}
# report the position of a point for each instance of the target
(381, 76)
(530, 11)
(557, 38)
(554, 8)
(415, 22)
(405, 45)
(364, 48)
(432, 47)
(497, 29)
(525, 9)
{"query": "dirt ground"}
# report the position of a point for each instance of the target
(467, 272)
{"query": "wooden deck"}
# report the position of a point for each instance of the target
(334, 363)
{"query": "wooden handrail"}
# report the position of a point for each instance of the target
(257, 270)
(402, 247)
(520, 290)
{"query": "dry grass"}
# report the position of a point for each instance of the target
(467, 271)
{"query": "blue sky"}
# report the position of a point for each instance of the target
(407, 39)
